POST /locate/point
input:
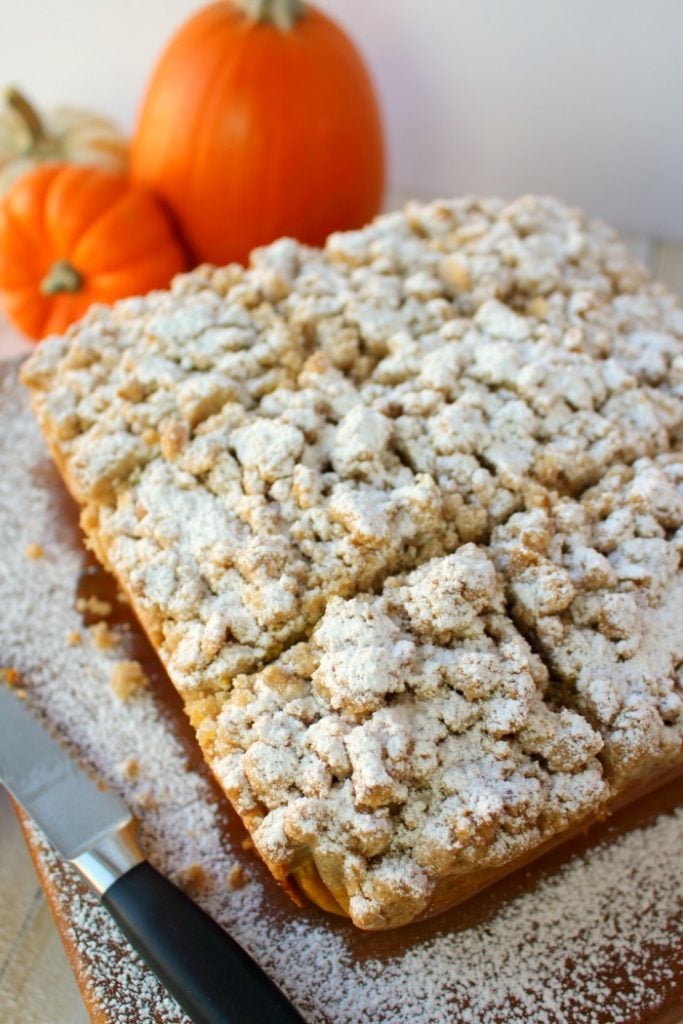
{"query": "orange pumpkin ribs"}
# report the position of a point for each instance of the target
(73, 236)
(251, 130)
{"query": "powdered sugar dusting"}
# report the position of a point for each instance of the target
(405, 746)
(549, 956)
(588, 944)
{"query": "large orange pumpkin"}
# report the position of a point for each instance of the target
(260, 120)
(71, 236)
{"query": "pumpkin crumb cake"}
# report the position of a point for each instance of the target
(402, 517)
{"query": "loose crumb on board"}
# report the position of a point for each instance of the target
(103, 637)
(74, 638)
(10, 676)
(146, 801)
(194, 879)
(130, 768)
(126, 678)
(237, 876)
(93, 606)
(34, 551)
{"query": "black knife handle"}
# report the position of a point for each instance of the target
(212, 977)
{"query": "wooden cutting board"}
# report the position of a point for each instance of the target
(592, 933)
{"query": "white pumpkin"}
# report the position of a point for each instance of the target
(66, 133)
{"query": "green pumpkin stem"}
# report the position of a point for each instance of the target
(28, 114)
(61, 277)
(282, 13)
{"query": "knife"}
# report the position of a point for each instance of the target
(211, 976)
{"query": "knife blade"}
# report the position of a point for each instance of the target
(68, 805)
(211, 976)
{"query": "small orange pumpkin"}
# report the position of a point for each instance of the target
(71, 236)
(260, 120)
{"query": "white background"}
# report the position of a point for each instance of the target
(583, 98)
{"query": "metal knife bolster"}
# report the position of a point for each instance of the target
(110, 858)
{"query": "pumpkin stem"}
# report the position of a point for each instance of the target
(282, 13)
(28, 114)
(61, 277)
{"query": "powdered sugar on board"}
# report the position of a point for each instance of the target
(590, 943)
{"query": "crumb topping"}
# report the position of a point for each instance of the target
(406, 742)
(598, 585)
